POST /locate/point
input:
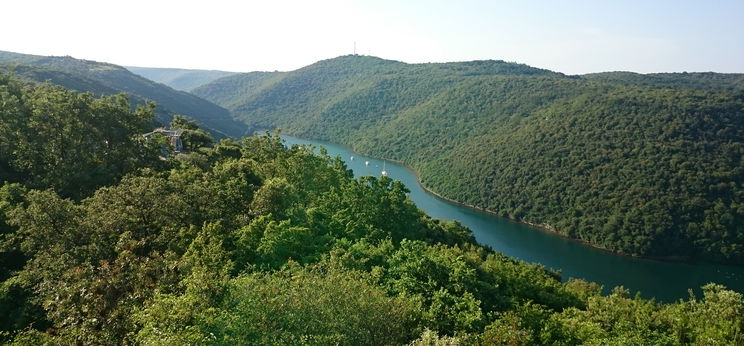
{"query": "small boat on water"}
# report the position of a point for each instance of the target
(351, 158)
(366, 163)
(384, 172)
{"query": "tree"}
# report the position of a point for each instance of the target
(193, 137)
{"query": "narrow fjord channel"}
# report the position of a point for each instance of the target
(665, 281)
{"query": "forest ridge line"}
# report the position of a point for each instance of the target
(642, 164)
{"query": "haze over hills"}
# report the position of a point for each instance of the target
(640, 164)
(177, 78)
(104, 78)
(109, 239)
(646, 165)
(114, 233)
(246, 241)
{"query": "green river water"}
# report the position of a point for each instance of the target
(665, 281)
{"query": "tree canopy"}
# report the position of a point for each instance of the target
(252, 242)
(647, 165)
(109, 79)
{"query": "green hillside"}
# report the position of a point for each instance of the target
(111, 239)
(646, 165)
(233, 90)
(693, 80)
(103, 78)
(177, 78)
(72, 81)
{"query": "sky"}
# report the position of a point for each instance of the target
(573, 37)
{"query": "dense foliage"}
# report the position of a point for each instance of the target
(54, 138)
(646, 165)
(684, 80)
(250, 242)
(109, 79)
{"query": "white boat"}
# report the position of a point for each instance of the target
(384, 172)
(366, 163)
(351, 158)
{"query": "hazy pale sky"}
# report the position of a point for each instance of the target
(572, 37)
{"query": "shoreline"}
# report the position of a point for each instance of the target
(546, 227)
(536, 226)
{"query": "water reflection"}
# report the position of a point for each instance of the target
(666, 281)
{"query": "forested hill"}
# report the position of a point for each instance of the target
(646, 165)
(110, 239)
(694, 80)
(104, 78)
(179, 79)
(330, 81)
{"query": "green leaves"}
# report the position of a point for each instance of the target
(192, 136)
(73, 143)
(298, 306)
(250, 242)
(613, 159)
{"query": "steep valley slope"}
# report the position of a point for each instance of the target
(647, 165)
(106, 79)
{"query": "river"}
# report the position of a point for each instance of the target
(665, 281)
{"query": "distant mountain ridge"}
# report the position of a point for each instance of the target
(105, 78)
(647, 165)
(684, 80)
(332, 82)
(179, 79)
